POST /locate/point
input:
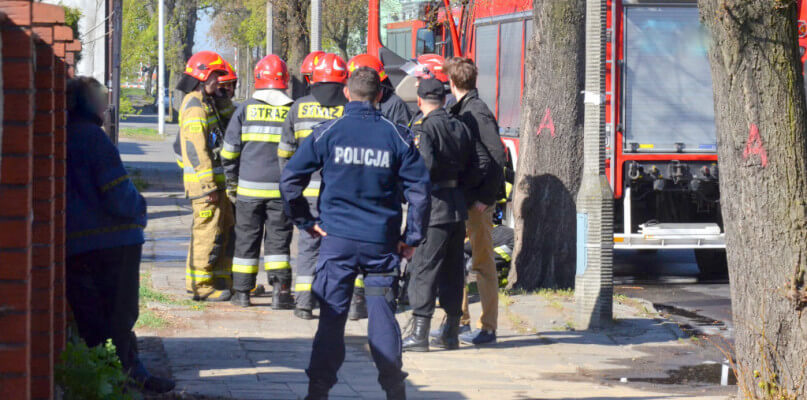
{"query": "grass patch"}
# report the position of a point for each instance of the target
(139, 182)
(153, 319)
(556, 305)
(566, 294)
(141, 134)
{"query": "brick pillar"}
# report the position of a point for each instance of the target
(43, 226)
(60, 167)
(16, 177)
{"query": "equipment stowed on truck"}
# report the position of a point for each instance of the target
(661, 141)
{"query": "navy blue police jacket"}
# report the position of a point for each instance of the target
(368, 166)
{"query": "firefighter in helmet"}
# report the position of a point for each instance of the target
(431, 66)
(251, 164)
(307, 69)
(392, 107)
(208, 275)
(326, 102)
(223, 100)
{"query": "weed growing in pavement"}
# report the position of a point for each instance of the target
(155, 319)
(95, 373)
(141, 134)
(555, 293)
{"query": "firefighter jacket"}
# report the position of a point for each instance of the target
(249, 155)
(448, 151)
(200, 134)
(393, 107)
(325, 103)
(104, 209)
(369, 165)
(473, 112)
(226, 110)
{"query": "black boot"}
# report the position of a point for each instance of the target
(449, 337)
(358, 306)
(281, 295)
(317, 391)
(397, 393)
(419, 340)
(241, 299)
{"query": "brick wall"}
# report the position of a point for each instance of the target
(37, 55)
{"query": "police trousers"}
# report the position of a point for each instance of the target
(259, 221)
(306, 264)
(210, 256)
(102, 290)
(340, 261)
(438, 266)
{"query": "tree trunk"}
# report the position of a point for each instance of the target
(551, 149)
(298, 42)
(762, 144)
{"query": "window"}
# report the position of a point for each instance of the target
(510, 76)
(398, 19)
(486, 51)
(668, 82)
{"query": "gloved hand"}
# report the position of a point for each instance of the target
(231, 192)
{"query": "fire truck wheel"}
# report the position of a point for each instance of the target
(712, 263)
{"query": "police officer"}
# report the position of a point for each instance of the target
(326, 102)
(394, 109)
(392, 106)
(253, 172)
(446, 146)
(368, 166)
(208, 274)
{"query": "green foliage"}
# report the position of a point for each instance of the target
(91, 373)
(139, 39)
(71, 17)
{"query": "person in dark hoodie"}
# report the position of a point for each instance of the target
(326, 102)
(105, 220)
(392, 107)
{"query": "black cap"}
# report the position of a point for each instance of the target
(431, 89)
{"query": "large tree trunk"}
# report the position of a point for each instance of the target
(551, 148)
(762, 143)
(298, 43)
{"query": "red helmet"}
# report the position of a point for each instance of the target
(330, 68)
(307, 68)
(231, 75)
(204, 63)
(434, 67)
(271, 73)
(367, 60)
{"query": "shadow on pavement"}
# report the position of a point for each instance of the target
(133, 148)
(264, 368)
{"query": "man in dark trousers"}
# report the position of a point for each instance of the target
(473, 112)
(369, 165)
(446, 146)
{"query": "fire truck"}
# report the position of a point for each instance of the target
(661, 142)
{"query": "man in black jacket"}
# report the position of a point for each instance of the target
(472, 111)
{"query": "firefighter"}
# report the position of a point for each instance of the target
(448, 150)
(326, 102)
(307, 69)
(224, 105)
(392, 107)
(369, 165)
(431, 66)
(250, 162)
(208, 275)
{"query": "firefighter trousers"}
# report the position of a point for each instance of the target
(438, 266)
(256, 221)
(306, 264)
(340, 260)
(210, 256)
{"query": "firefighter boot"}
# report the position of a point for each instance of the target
(241, 299)
(281, 294)
(419, 339)
(358, 305)
(449, 337)
(302, 313)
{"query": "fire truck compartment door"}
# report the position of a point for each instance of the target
(667, 96)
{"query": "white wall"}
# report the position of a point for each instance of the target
(91, 28)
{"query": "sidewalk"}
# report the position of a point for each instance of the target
(222, 351)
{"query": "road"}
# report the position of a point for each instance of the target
(669, 279)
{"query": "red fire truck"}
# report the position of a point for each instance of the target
(661, 142)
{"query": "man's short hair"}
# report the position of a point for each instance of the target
(364, 84)
(462, 72)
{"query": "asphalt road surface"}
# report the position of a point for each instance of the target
(669, 279)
